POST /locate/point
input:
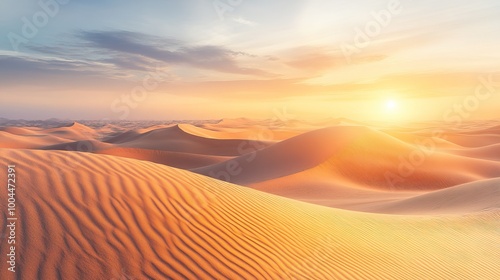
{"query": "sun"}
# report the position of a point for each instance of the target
(391, 105)
(393, 109)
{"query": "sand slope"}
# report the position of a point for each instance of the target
(105, 217)
(173, 159)
(75, 131)
(28, 141)
(36, 138)
(176, 139)
(467, 198)
(362, 156)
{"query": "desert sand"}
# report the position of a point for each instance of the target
(303, 200)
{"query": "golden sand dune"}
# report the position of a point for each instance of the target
(80, 146)
(106, 217)
(173, 145)
(21, 130)
(361, 156)
(243, 132)
(35, 138)
(474, 140)
(173, 159)
(297, 154)
(485, 128)
(490, 152)
(467, 135)
(75, 131)
(122, 137)
(467, 198)
(314, 186)
(272, 130)
(176, 139)
(31, 140)
(415, 138)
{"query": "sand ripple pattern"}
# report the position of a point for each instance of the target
(116, 218)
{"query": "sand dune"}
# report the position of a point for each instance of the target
(490, 152)
(466, 198)
(173, 159)
(294, 155)
(155, 139)
(35, 138)
(176, 139)
(314, 186)
(121, 218)
(80, 146)
(467, 135)
(361, 156)
(475, 140)
(493, 128)
(123, 137)
(272, 130)
(217, 134)
(415, 138)
(75, 131)
(28, 140)
(23, 131)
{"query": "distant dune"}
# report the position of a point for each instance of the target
(467, 198)
(177, 139)
(29, 140)
(361, 156)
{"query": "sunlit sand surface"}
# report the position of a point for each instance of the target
(302, 200)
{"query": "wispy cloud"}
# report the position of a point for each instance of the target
(208, 57)
(28, 68)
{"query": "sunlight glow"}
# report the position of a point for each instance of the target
(391, 105)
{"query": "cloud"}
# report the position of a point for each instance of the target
(72, 51)
(216, 58)
(56, 73)
(25, 65)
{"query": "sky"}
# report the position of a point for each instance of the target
(381, 60)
